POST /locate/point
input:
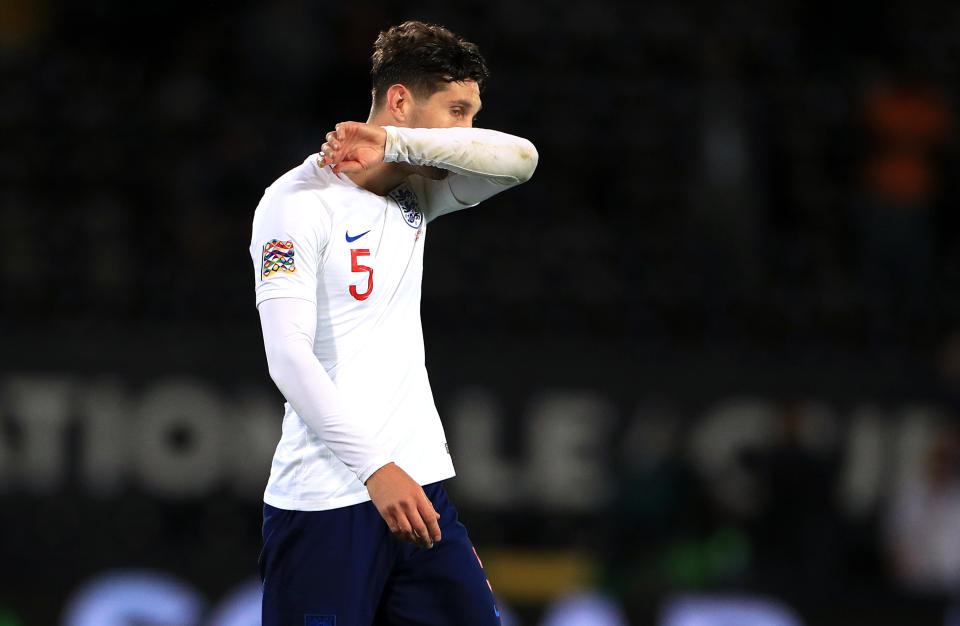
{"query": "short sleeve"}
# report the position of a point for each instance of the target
(289, 235)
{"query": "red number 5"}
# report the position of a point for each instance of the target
(356, 267)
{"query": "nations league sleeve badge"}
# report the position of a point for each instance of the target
(277, 257)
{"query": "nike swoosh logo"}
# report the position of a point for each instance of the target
(350, 239)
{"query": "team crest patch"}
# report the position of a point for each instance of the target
(319, 620)
(277, 257)
(407, 200)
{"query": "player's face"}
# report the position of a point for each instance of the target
(456, 104)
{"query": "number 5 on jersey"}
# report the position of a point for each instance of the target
(356, 267)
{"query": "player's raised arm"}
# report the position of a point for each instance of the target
(482, 162)
(501, 158)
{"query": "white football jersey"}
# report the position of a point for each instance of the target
(359, 257)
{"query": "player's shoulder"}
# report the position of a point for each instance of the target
(304, 179)
(301, 190)
(296, 202)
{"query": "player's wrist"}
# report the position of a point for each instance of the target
(380, 136)
(392, 147)
(381, 472)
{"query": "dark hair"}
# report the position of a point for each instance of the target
(422, 57)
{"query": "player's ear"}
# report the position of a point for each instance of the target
(399, 103)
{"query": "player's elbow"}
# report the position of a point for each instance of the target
(527, 161)
(280, 365)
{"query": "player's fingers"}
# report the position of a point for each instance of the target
(422, 535)
(328, 154)
(403, 530)
(430, 517)
(433, 527)
(333, 141)
(330, 148)
(420, 532)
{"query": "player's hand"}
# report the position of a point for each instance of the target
(353, 147)
(404, 506)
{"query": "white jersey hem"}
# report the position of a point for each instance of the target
(296, 504)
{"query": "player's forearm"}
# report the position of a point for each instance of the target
(474, 152)
(307, 387)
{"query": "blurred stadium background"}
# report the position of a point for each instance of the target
(703, 369)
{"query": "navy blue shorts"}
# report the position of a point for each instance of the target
(343, 567)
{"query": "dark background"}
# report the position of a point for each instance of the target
(746, 209)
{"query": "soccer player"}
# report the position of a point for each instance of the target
(357, 529)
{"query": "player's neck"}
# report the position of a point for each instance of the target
(380, 178)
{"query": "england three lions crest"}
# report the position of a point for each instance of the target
(407, 201)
